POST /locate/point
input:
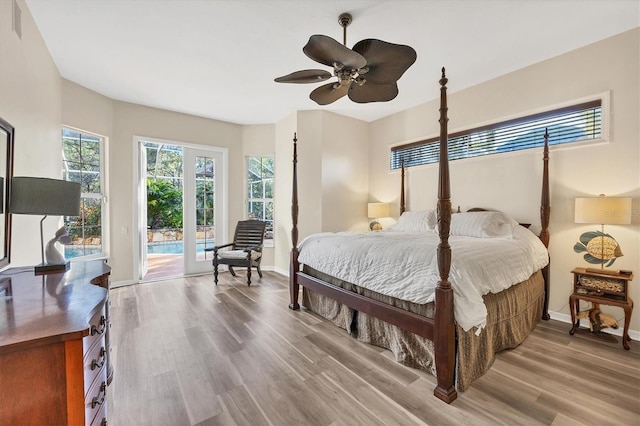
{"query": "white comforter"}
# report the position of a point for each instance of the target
(404, 265)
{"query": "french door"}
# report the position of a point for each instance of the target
(204, 213)
(141, 219)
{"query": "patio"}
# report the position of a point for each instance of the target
(164, 265)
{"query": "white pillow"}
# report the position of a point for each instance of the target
(481, 225)
(416, 221)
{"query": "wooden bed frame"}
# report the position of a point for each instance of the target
(441, 328)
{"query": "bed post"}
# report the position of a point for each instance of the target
(444, 327)
(545, 212)
(294, 266)
(402, 201)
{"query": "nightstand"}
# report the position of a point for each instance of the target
(601, 288)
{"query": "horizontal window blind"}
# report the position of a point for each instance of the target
(570, 124)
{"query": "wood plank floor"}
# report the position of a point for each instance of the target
(161, 265)
(189, 353)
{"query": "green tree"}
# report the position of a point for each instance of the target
(164, 205)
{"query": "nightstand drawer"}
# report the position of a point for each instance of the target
(600, 287)
(606, 284)
(595, 284)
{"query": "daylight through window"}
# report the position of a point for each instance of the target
(260, 175)
(83, 163)
(570, 124)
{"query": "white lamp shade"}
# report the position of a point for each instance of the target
(377, 210)
(603, 210)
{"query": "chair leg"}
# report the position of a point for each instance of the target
(232, 271)
(215, 273)
(259, 271)
(249, 275)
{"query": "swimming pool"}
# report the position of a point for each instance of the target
(176, 247)
(171, 247)
(76, 251)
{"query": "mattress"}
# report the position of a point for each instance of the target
(403, 265)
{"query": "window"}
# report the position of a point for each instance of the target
(260, 173)
(570, 124)
(83, 158)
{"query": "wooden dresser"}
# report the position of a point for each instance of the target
(54, 352)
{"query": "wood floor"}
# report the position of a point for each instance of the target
(189, 353)
(161, 265)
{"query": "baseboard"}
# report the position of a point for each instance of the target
(559, 316)
(116, 284)
(281, 271)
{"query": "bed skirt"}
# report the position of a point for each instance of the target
(512, 315)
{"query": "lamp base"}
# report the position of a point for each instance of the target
(44, 269)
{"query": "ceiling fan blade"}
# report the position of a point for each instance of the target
(386, 61)
(304, 76)
(328, 93)
(327, 51)
(370, 92)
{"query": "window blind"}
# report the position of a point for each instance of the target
(570, 124)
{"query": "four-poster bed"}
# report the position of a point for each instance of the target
(431, 327)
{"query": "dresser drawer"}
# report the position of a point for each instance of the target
(101, 416)
(98, 327)
(96, 396)
(94, 359)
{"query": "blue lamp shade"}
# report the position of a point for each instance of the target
(44, 196)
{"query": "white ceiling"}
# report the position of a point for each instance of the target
(218, 58)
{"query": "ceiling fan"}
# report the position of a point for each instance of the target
(366, 73)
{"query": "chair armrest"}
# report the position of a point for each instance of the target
(254, 248)
(216, 248)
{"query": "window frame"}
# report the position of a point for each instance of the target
(268, 242)
(541, 113)
(102, 196)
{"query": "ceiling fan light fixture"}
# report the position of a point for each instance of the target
(383, 63)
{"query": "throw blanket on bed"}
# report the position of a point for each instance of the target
(403, 265)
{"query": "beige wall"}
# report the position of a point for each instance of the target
(511, 182)
(120, 122)
(30, 102)
(260, 140)
(285, 130)
(333, 153)
(134, 120)
(345, 173)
